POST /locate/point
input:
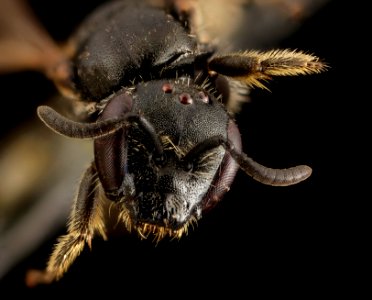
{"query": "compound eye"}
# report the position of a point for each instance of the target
(203, 97)
(167, 88)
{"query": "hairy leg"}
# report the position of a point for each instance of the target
(253, 67)
(86, 219)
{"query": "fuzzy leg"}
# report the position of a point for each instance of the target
(253, 67)
(86, 218)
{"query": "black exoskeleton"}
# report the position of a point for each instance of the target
(166, 147)
(123, 42)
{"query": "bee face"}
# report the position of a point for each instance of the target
(164, 184)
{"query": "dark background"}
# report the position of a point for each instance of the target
(295, 241)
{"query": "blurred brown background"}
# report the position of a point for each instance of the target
(286, 241)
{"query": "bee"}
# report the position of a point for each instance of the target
(156, 96)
